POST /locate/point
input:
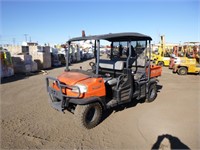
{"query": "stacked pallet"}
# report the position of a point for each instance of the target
(14, 49)
(6, 66)
(41, 55)
(23, 63)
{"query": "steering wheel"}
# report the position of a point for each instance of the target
(91, 64)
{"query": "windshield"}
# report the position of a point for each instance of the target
(111, 58)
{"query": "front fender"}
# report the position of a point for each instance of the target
(90, 100)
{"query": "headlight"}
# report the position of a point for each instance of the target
(55, 83)
(81, 87)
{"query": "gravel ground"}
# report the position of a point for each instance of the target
(170, 122)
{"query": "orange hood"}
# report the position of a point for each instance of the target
(71, 78)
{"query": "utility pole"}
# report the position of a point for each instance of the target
(25, 35)
(13, 41)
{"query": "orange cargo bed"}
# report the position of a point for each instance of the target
(155, 71)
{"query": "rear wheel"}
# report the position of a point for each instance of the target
(88, 116)
(182, 71)
(152, 94)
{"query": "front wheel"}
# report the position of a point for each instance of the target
(152, 94)
(182, 71)
(88, 116)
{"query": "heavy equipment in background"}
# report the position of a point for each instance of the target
(125, 76)
(174, 57)
(163, 56)
(188, 64)
(180, 53)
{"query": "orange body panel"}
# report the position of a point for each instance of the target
(155, 71)
(95, 86)
(71, 78)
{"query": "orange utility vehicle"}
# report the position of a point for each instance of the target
(124, 77)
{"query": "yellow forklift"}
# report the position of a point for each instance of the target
(163, 56)
(189, 64)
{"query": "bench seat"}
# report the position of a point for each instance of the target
(111, 64)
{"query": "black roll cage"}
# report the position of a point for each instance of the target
(112, 37)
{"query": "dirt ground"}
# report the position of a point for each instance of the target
(170, 122)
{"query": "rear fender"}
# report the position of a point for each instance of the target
(151, 81)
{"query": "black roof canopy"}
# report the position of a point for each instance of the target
(115, 37)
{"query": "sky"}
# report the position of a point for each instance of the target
(55, 21)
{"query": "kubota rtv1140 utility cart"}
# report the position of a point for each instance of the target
(126, 75)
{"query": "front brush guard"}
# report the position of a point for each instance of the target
(58, 100)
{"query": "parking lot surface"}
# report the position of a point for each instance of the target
(172, 121)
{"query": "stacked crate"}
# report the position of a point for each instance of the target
(14, 49)
(41, 55)
(23, 63)
(6, 66)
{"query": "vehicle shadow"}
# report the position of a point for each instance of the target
(175, 143)
(159, 88)
(118, 108)
(128, 105)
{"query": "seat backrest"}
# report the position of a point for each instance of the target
(111, 64)
(140, 62)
